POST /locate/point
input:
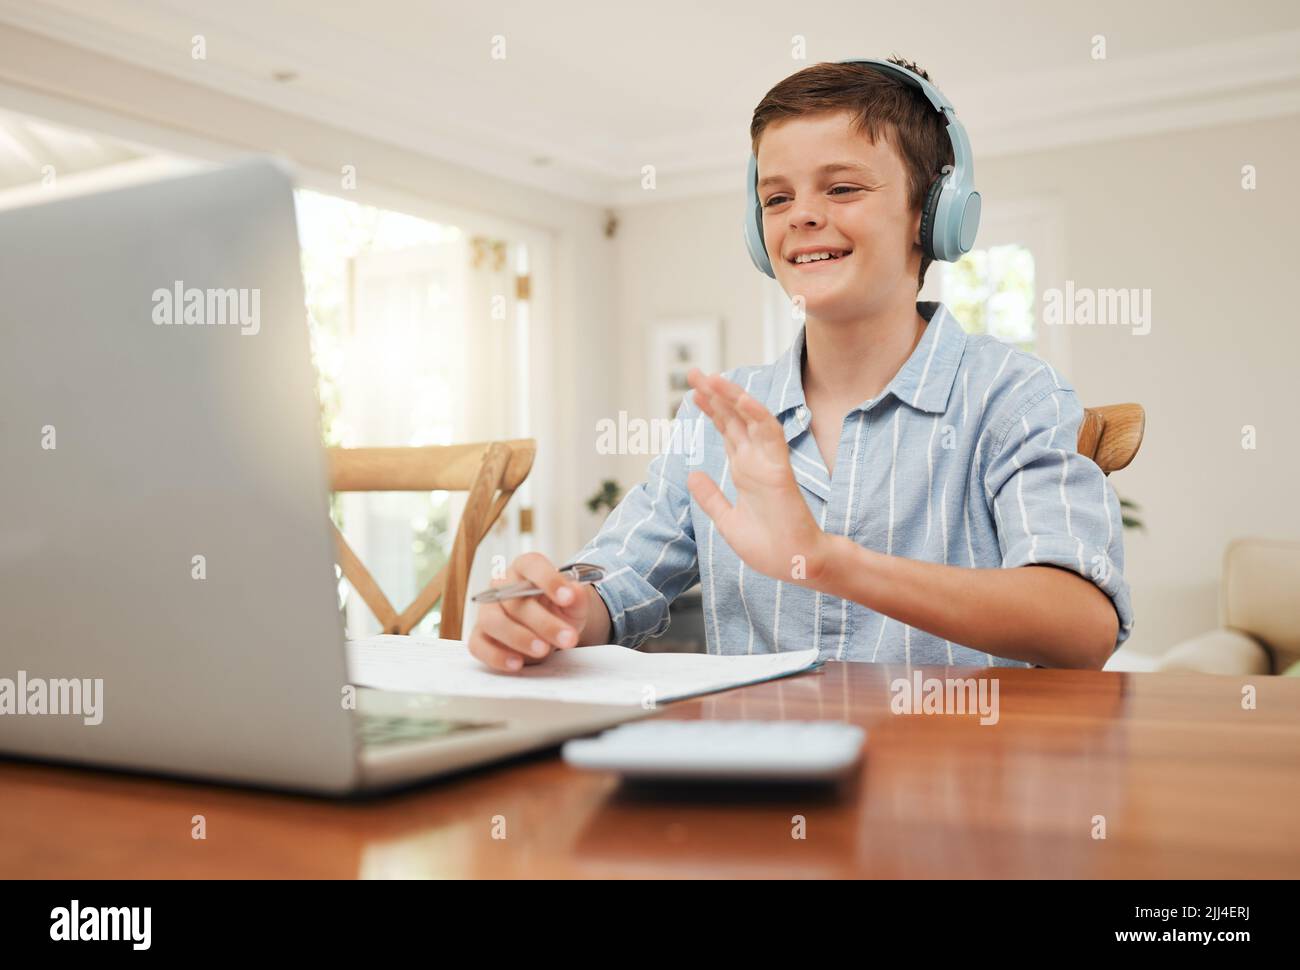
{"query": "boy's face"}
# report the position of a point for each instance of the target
(862, 210)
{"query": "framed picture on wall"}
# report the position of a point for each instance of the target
(677, 345)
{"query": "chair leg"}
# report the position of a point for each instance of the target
(480, 513)
(359, 576)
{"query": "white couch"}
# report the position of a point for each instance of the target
(1259, 614)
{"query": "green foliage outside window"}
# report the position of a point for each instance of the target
(992, 291)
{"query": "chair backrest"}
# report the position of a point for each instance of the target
(1112, 434)
(489, 471)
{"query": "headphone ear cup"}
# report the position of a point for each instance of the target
(927, 216)
(754, 241)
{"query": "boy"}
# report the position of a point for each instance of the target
(870, 492)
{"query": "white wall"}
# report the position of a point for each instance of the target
(1164, 212)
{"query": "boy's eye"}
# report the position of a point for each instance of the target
(777, 199)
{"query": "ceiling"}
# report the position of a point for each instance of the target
(588, 93)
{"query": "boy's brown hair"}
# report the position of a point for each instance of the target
(882, 105)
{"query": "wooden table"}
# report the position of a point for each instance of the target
(1188, 782)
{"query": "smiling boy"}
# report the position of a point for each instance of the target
(891, 489)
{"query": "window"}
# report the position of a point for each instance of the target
(992, 291)
(419, 335)
(998, 287)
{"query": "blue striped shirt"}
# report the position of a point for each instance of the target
(968, 457)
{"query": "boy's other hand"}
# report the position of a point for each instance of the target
(770, 527)
(528, 629)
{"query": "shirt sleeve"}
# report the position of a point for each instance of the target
(647, 545)
(1053, 505)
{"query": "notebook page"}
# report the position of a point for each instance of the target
(607, 674)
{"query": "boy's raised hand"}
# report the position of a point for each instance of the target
(770, 527)
(528, 629)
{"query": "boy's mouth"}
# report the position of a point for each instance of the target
(821, 258)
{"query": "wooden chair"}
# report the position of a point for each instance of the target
(490, 472)
(1111, 435)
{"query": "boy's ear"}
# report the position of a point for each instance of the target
(916, 229)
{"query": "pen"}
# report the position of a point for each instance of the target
(580, 572)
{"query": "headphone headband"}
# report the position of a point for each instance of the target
(934, 95)
(963, 164)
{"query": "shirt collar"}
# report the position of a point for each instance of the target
(924, 382)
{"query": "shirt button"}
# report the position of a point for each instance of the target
(801, 412)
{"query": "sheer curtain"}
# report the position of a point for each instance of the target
(496, 394)
(430, 359)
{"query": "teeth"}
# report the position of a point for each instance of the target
(814, 257)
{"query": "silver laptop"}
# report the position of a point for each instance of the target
(164, 528)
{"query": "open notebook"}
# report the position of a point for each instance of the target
(607, 674)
